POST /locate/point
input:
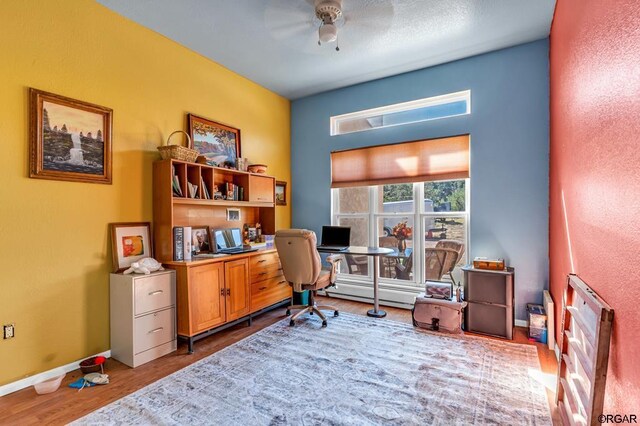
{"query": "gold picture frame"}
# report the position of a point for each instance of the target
(69, 140)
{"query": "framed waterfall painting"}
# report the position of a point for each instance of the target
(68, 139)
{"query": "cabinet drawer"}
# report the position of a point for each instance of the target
(153, 292)
(262, 260)
(265, 273)
(154, 329)
(268, 292)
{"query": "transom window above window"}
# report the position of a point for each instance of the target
(432, 108)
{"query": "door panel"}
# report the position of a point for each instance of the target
(261, 188)
(206, 296)
(237, 288)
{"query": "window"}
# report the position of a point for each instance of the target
(421, 222)
(432, 108)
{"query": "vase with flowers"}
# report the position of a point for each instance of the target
(402, 232)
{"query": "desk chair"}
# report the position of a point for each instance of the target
(302, 268)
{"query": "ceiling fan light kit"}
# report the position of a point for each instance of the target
(328, 12)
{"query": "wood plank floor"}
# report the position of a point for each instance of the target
(25, 407)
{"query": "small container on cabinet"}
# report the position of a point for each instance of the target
(143, 316)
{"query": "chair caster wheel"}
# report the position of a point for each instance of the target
(311, 313)
(324, 323)
(336, 313)
(288, 312)
(292, 323)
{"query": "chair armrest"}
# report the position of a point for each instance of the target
(334, 261)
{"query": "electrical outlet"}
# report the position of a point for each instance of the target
(8, 331)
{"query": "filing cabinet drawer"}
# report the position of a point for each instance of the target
(153, 292)
(154, 330)
(268, 292)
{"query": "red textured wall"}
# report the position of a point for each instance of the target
(595, 172)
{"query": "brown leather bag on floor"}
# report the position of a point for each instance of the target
(438, 314)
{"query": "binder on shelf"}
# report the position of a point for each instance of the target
(187, 242)
(178, 243)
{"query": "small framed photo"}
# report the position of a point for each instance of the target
(130, 242)
(281, 193)
(68, 139)
(200, 239)
(233, 215)
(217, 142)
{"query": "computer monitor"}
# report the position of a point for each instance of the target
(336, 236)
(230, 238)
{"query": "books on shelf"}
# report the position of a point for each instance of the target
(175, 183)
(205, 190)
(193, 190)
(234, 192)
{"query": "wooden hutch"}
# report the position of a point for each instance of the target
(217, 292)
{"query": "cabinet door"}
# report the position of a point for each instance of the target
(206, 296)
(261, 188)
(237, 281)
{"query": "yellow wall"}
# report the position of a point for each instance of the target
(54, 254)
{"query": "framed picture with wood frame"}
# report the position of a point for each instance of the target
(69, 139)
(217, 142)
(281, 193)
(130, 242)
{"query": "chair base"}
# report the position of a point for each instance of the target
(311, 308)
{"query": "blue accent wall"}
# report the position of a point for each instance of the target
(509, 128)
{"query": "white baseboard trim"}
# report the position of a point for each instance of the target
(45, 375)
(521, 323)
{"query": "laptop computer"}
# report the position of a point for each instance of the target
(335, 238)
(230, 241)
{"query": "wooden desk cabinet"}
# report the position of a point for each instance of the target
(217, 293)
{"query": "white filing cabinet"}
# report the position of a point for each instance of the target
(143, 316)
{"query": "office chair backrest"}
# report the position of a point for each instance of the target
(301, 263)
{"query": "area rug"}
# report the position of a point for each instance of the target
(356, 371)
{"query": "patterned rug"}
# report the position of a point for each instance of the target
(357, 371)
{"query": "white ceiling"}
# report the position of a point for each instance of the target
(274, 42)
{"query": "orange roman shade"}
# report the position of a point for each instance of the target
(418, 161)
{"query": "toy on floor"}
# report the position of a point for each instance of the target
(144, 266)
(89, 380)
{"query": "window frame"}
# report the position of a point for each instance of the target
(419, 217)
(432, 101)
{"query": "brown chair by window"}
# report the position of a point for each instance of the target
(387, 264)
(442, 259)
(403, 271)
(302, 267)
(358, 265)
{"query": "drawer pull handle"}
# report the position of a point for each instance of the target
(262, 261)
(228, 292)
(262, 288)
(155, 292)
(156, 330)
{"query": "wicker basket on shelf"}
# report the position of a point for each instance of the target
(178, 152)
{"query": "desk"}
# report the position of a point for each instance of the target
(367, 251)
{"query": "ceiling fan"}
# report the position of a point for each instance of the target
(328, 12)
(304, 23)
